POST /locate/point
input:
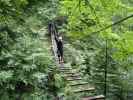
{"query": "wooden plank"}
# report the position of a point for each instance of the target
(70, 73)
(73, 75)
(75, 81)
(81, 83)
(65, 68)
(82, 87)
(74, 78)
(84, 90)
(99, 97)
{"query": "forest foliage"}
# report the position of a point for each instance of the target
(95, 45)
(26, 62)
(102, 31)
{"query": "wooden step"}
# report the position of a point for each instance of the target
(99, 97)
(73, 78)
(75, 81)
(72, 75)
(81, 83)
(84, 90)
(85, 86)
(65, 68)
(70, 72)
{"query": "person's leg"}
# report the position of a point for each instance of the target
(62, 60)
(60, 56)
(58, 53)
(59, 59)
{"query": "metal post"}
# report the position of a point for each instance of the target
(106, 65)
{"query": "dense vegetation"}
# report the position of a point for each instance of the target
(102, 32)
(99, 42)
(25, 59)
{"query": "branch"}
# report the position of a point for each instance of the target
(89, 24)
(115, 23)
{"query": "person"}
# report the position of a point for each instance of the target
(59, 42)
(50, 28)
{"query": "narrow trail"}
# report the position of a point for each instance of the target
(77, 83)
